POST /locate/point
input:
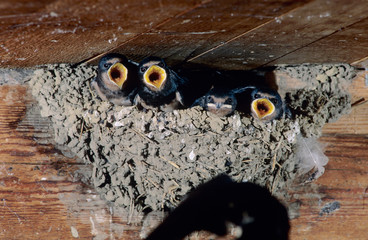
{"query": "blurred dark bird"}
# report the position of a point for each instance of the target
(214, 204)
(160, 87)
(116, 79)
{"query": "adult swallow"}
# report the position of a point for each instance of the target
(266, 105)
(160, 87)
(116, 79)
(212, 205)
(220, 101)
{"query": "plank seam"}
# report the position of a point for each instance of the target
(88, 60)
(319, 39)
(241, 35)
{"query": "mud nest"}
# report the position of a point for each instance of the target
(149, 160)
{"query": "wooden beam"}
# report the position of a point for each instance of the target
(290, 33)
(206, 28)
(348, 45)
(219, 33)
(66, 31)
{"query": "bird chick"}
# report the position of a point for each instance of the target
(116, 79)
(214, 204)
(266, 105)
(221, 102)
(160, 87)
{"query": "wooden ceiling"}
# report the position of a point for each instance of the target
(42, 195)
(227, 34)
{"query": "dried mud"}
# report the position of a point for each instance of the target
(148, 160)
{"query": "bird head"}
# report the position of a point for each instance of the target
(220, 105)
(153, 72)
(115, 67)
(265, 104)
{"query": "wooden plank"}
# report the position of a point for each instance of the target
(345, 181)
(348, 45)
(69, 31)
(21, 7)
(289, 33)
(206, 27)
(29, 181)
(16, 130)
(50, 203)
(223, 34)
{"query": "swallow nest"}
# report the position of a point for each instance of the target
(150, 160)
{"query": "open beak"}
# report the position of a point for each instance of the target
(263, 107)
(155, 76)
(118, 74)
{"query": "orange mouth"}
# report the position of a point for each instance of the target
(263, 107)
(118, 74)
(155, 76)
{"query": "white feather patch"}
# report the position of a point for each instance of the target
(311, 158)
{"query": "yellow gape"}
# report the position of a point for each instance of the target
(155, 76)
(118, 74)
(262, 107)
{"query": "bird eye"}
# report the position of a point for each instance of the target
(209, 98)
(107, 65)
(229, 101)
(143, 69)
(274, 100)
(257, 95)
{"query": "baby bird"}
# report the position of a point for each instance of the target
(160, 87)
(214, 204)
(266, 105)
(219, 101)
(116, 79)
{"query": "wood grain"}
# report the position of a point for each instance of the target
(292, 32)
(69, 31)
(344, 181)
(206, 27)
(346, 38)
(44, 194)
(219, 33)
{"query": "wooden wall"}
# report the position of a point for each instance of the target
(42, 194)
